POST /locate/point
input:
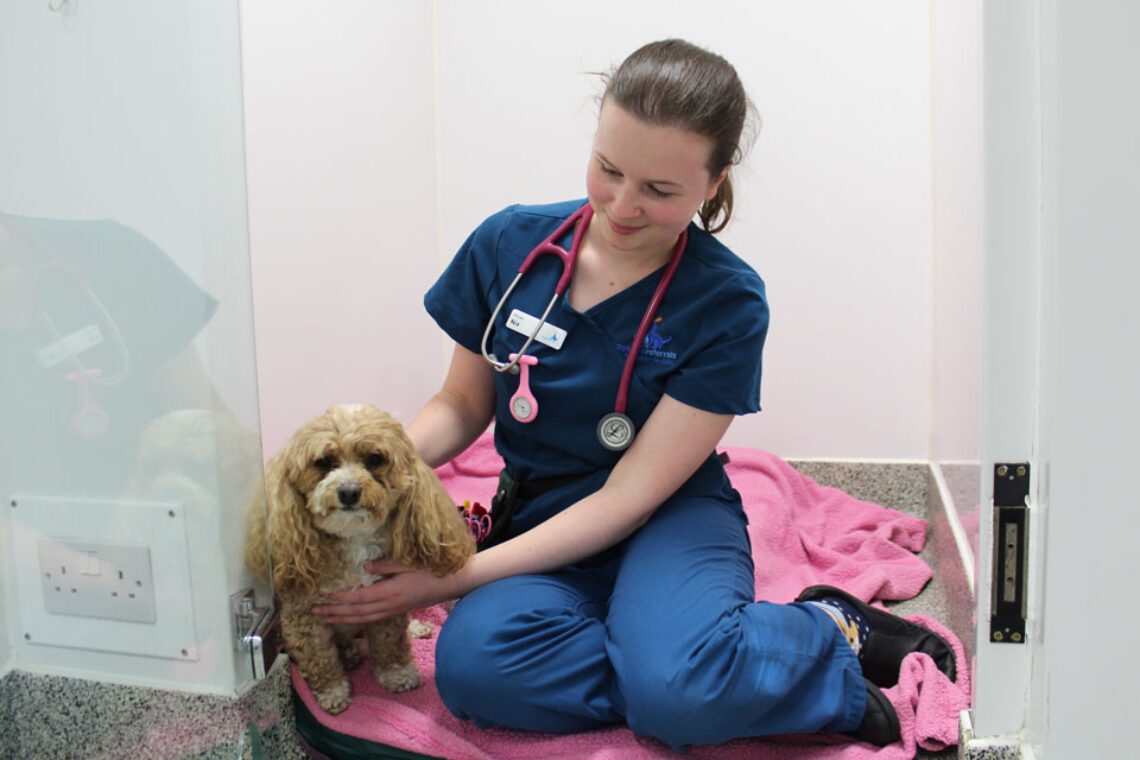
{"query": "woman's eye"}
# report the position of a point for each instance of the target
(659, 193)
(325, 463)
(372, 461)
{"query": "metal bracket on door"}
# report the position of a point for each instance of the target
(1011, 542)
(256, 631)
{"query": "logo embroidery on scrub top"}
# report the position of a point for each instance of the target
(653, 347)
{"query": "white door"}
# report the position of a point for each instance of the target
(1061, 358)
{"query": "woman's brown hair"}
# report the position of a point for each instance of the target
(674, 83)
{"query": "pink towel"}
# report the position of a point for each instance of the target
(802, 534)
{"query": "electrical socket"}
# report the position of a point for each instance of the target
(110, 581)
(160, 625)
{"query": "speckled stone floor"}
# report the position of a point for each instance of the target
(911, 488)
(46, 717)
(49, 717)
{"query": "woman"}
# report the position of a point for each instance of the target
(621, 589)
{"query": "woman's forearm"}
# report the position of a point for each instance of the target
(653, 468)
(459, 413)
(444, 428)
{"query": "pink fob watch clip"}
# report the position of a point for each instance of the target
(524, 407)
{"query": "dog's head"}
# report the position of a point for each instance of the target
(352, 472)
(354, 466)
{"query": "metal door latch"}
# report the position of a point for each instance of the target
(1011, 541)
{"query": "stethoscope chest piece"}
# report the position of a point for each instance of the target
(615, 431)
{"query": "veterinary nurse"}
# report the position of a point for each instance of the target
(623, 589)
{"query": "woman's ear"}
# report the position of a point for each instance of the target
(714, 186)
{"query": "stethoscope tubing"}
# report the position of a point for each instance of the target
(547, 247)
(569, 259)
(508, 366)
(647, 322)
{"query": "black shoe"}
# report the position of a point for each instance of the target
(880, 724)
(891, 639)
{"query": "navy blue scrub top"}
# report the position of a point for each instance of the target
(703, 350)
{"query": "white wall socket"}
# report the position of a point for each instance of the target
(96, 580)
(63, 543)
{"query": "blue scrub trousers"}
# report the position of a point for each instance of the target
(660, 632)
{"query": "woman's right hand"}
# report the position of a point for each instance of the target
(402, 589)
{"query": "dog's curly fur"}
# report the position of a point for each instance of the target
(349, 487)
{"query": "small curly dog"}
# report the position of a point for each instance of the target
(347, 488)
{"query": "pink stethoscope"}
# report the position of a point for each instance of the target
(615, 430)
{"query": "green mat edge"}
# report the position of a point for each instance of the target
(342, 746)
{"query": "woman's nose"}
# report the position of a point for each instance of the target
(625, 204)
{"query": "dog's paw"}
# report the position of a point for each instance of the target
(418, 629)
(398, 677)
(335, 699)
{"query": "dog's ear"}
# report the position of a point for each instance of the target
(427, 530)
(281, 532)
(257, 533)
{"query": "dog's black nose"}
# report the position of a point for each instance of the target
(348, 494)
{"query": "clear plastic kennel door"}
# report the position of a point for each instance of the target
(128, 394)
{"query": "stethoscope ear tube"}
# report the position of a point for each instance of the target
(491, 358)
(512, 365)
(581, 217)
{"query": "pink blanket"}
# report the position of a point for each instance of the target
(802, 534)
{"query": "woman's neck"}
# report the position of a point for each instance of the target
(603, 271)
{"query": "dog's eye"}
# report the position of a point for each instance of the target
(372, 461)
(325, 463)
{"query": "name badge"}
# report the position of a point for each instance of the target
(524, 324)
(79, 341)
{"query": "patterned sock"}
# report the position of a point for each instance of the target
(851, 623)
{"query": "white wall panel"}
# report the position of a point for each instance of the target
(956, 78)
(835, 204)
(339, 103)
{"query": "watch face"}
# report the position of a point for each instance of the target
(615, 431)
(521, 408)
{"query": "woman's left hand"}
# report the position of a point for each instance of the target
(402, 589)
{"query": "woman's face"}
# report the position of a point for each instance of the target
(645, 182)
